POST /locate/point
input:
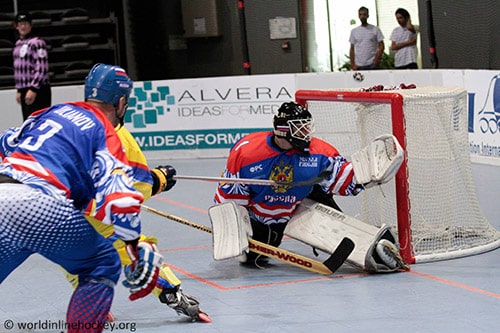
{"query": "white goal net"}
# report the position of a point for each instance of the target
(431, 204)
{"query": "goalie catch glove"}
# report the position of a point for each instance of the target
(142, 275)
(163, 178)
(378, 162)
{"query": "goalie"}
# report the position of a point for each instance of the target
(307, 212)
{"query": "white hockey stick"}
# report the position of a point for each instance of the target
(315, 180)
(328, 267)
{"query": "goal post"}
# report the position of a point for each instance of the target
(431, 203)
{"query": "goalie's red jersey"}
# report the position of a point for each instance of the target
(256, 156)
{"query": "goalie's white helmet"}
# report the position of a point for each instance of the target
(294, 123)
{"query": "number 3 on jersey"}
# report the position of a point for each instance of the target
(50, 128)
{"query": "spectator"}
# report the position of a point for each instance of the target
(367, 44)
(31, 68)
(404, 40)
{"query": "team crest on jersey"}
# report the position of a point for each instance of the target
(282, 173)
(42, 53)
(308, 162)
(23, 51)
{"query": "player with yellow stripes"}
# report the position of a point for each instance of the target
(149, 182)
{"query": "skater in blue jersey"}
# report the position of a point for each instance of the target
(52, 167)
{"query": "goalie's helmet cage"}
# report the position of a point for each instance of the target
(107, 83)
(294, 123)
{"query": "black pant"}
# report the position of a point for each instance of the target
(272, 234)
(326, 199)
(412, 65)
(368, 67)
(43, 100)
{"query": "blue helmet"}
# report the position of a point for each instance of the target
(107, 83)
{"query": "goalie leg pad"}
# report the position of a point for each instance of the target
(230, 230)
(324, 228)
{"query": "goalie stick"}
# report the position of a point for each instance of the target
(328, 267)
(315, 180)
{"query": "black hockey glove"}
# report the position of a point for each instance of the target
(163, 178)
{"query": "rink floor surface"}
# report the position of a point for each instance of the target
(459, 295)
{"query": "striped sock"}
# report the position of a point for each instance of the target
(89, 307)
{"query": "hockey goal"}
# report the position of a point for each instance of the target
(431, 204)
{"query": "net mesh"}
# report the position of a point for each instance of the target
(446, 219)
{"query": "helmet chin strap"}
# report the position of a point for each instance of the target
(279, 142)
(300, 145)
(121, 119)
(297, 144)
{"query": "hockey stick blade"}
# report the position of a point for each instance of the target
(315, 180)
(263, 248)
(340, 255)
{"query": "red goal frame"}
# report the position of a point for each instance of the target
(399, 131)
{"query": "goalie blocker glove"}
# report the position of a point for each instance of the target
(142, 275)
(163, 178)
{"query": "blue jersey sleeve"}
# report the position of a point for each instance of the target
(72, 151)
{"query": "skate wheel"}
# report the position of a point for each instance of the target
(203, 317)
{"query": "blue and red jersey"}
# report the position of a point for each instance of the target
(72, 151)
(256, 157)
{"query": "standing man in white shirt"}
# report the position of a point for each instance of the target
(367, 44)
(404, 41)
